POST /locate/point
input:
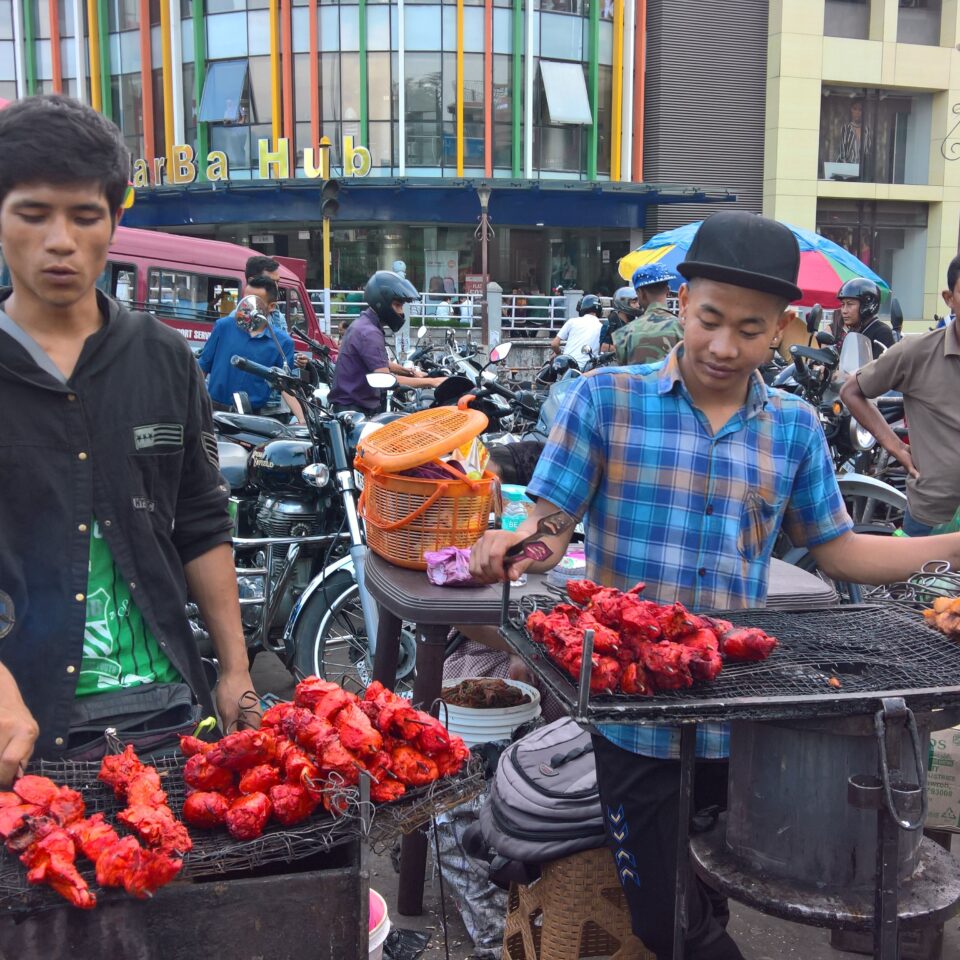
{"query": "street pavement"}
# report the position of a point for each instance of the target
(759, 937)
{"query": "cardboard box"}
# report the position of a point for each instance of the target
(943, 781)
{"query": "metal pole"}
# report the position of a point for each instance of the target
(688, 745)
(484, 312)
(326, 253)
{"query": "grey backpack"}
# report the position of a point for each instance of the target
(542, 805)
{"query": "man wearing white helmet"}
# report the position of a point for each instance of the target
(656, 331)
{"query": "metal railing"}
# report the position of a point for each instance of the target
(522, 316)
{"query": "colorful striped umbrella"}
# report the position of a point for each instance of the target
(824, 265)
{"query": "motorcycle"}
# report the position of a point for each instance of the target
(298, 544)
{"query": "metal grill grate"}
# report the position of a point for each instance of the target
(215, 852)
(871, 650)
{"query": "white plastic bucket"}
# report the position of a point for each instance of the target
(481, 725)
(379, 925)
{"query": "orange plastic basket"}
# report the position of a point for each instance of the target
(408, 516)
(419, 438)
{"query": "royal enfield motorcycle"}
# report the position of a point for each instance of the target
(298, 542)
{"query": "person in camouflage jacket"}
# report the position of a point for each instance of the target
(657, 330)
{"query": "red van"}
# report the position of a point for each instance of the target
(189, 283)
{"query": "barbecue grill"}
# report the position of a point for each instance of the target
(827, 772)
(871, 650)
(215, 853)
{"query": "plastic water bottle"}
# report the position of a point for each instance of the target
(516, 506)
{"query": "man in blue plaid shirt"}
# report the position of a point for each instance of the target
(684, 471)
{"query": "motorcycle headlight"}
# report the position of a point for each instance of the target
(861, 438)
(316, 475)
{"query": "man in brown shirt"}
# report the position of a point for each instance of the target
(926, 370)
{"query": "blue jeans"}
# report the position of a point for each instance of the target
(914, 528)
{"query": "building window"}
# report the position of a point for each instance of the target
(472, 110)
(876, 136)
(124, 15)
(128, 110)
(502, 103)
(6, 27)
(889, 237)
(604, 123)
(228, 104)
(561, 110)
(41, 20)
(225, 93)
(847, 18)
(424, 106)
(918, 21)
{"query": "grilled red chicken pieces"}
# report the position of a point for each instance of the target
(640, 647)
(308, 752)
(48, 828)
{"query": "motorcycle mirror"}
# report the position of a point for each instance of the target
(421, 333)
(825, 339)
(896, 315)
(251, 312)
(500, 352)
(316, 475)
(856, 352)
(381, 381)
(814, 318)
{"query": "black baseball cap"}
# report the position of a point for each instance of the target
(745, 250)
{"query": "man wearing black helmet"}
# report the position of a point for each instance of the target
(859, 305)
(363, 348)
(580, 331)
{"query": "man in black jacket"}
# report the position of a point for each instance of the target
(111, 503)
(859, 308)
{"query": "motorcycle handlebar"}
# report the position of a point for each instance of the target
(318, 347)
(273, 375)
(492, 386)
(257, 369)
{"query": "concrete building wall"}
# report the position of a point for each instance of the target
(801, 60)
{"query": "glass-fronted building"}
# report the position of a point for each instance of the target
(224, 104)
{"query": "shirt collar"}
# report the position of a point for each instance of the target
(951, 340)
(670, 375)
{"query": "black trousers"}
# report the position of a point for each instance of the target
(640, 797)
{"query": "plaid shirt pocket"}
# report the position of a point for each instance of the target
(759, 523)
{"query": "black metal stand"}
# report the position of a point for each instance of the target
(688, 749)
(900, 801)
(900, 805)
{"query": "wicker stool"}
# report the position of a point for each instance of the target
(575, 910)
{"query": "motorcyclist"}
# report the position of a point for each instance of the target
(859, 305)
(626, 307)
(363, 348)
(580, 331)
(656, 331)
